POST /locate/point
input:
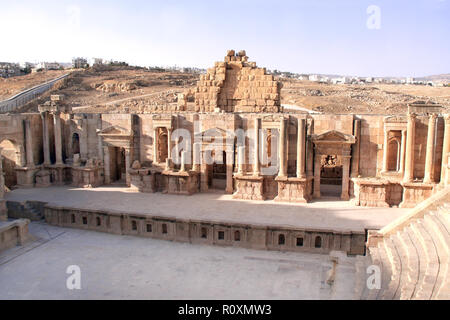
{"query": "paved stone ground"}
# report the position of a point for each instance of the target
(126, 267)
(325, 214)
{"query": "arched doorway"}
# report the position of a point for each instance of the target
(9, 161)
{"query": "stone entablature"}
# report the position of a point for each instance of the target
(208, 232)
(236, 85)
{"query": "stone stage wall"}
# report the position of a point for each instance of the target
(208, 232)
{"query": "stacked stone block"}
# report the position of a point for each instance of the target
(237, 85)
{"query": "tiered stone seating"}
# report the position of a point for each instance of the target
(414, 256)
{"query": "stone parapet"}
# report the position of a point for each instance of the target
(221, 233)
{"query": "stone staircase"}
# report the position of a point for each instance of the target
(413, 254)
(33, 210)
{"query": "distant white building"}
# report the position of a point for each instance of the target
(79, 63)
(313, 77)
(8, 69)
(409, 80)
(96, 61)
(48, 66)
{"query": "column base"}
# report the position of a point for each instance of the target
(26, 176)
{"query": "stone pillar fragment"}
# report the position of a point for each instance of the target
(45, 137)
(429, 159)
(196, 156)
(57, 132)
(402, 152)
(256, 164)
(356, 148)
(29, 144)
(301, 148)
(155, 145)
(445, 148)
(409, 157)
(385, 151)
(230, 160)
(241, 157)
(282, 150)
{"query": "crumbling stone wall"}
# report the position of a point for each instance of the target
(236, 85)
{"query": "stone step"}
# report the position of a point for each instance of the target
(406, 287)
(374, 254)
(360, 276)
(429, 262)
(386, 271)
(396, 269)
(421, 259)
(435, 232)
(444, 218)
(440, 231)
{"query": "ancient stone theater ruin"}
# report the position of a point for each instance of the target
(232, 137)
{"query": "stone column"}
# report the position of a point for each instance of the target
(155, 145)
(317, 165)
(169, 143)
(256, 164)
(57, 132)
(230, 160)
(310, 152)
(29, 144)
(100, 146)
(409, 157)
(282, 150)
(301, 148)
(402, 152)
(445, 147)
(429, 159)
(107, 164)
(385, 151)
(345, 174)
(196, 156)
(356, 148)
(183, 161)
(45, 137)
(241, 157)
(127, 165)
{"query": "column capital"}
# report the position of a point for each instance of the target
(411, 116)
(447, 119)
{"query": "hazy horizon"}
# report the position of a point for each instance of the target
(364, 38)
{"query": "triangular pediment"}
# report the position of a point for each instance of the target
(115, 131)
(213, 132)
(333, 136)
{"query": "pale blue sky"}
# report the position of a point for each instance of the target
(305, 36)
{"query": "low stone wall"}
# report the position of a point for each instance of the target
(32, 210)
(208, 232)
(13, 233)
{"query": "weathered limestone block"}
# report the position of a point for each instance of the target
(371, 192)
(87, 177)
(414, 193)
(142, 179)
(181, 182)
(249, 187)
(43, 178)
(294, 189)
(3, 210)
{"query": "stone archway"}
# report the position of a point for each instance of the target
(339, 145)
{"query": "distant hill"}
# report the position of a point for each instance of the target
(445, 77)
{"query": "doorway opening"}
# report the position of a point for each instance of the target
(217, 172)
(9, 161)
(331, 176)
(118, 168)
